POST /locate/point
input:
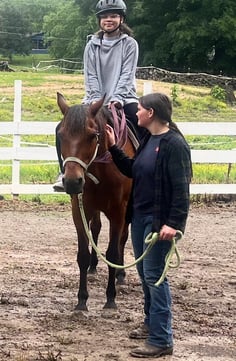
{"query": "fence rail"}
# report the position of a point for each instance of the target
(17, 153)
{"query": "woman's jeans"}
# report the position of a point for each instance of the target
(157, 300)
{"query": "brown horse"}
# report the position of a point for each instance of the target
(86, 161)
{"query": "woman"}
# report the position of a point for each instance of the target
(161, 172)
(110, 61)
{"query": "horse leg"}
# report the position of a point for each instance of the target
(83, 256)
(120, 273)
(112, 255)
(95, 226)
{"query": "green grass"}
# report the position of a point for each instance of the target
(214, 173)
(58, 198)
(28, 61)
(220, 142)
(203, 109)
(39, 90)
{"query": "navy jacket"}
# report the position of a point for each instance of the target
(173, 174)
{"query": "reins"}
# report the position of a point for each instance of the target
(150, 240)
(120, 125)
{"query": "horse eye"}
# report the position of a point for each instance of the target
(60, 135)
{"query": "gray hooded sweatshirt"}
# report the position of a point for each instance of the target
(109, 68)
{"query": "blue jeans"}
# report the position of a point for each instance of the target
(157, 300)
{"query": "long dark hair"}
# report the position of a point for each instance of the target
(162, 107)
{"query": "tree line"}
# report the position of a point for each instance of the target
(179, 35)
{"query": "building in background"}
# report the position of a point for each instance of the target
(38, 44)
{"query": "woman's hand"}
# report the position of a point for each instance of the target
(167, 233)
(110, 136)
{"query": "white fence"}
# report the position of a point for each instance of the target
(16, 153)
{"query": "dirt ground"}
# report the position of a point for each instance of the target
(39, 283)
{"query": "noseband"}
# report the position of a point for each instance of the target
(83, 164)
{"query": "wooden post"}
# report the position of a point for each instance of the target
(16, 136)
(147, 87)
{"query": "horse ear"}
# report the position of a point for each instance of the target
(62, 103)
(94, 107)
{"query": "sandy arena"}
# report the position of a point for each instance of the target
(39, 284)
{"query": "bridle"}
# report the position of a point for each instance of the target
(83, 164)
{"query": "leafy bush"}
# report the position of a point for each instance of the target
(218, 93)
(174, 94)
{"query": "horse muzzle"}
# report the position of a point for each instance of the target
(73, 186)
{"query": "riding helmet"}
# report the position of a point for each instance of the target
(105, 6)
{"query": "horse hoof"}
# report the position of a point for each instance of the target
(120, 277)
(92, 271)
(92, 277)
(92, 274)
(81, 307)
(110, 313)
(120, 281)
(110, 305)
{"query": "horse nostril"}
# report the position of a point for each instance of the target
(74, 186)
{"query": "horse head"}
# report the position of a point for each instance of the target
(79, 136)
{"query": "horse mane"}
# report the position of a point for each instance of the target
(105, 116)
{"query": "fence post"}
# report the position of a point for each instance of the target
(16, 135)
(147, 87)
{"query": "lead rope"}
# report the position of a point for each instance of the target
(150, 240)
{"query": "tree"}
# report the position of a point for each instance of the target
(18, 20)
(204, 35)
(67, 30)
(14, 31)
(172, 34)
(182, 34)
(87, 7)
(149, 19)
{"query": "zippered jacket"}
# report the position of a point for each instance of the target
(109, 68)
(173, 172)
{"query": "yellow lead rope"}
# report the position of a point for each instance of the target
(173, 250)
(150, 240)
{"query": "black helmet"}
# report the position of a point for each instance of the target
(105, 6)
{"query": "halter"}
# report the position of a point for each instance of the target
(83, 164)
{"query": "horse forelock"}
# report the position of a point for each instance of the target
(75, 119)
